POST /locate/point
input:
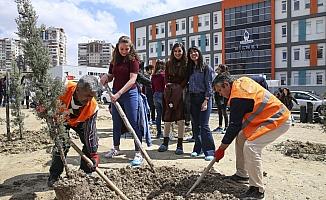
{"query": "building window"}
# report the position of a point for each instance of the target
(177, 26)
(193, 42)
(306, 53)
(199, 21)
(319, 78)
(296, 4)
(150, 31)
(192, 24)
(162, 29)
(207, 60)
(207, 41)
(183, 42)
(206, 21)
(308, 78)
(183, 24)
(296, 53)
(308, 28)
(283, 79)
(156, 30)
(320, 52)
(144, 41)
(319, 26)
(283, 6)
(216, 60)
(215, 39)
(163, 47)
(284, 56)
(295, 29)
(171, 45)
(320, 3)
(199, 42)
(138, 42)
(295, 78)
(307, 4)
(151, 48)
(215, 18)
(283, 30)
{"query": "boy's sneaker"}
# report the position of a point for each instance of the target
(138, 159)
(52, 179)
(194, 154)
(252, 193)
(209, 158)
(239, 179)
(162, 148)
(218, 129)
(179, 151)
(112, 153)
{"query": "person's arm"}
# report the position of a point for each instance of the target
(238, 108)
(295, 100)
(208, 82)
(90, 134)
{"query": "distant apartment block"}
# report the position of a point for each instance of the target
(55, 40)
(282, 39)
(10, 49)
(95, 54)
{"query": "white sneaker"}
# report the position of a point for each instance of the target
(113, 152)
(138, 159)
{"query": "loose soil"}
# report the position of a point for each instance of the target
(142, 183)
(301, 150)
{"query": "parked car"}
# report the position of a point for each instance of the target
(105, 97)
(319, 104)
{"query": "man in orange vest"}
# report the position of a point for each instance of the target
(82, 109)
(257, 118)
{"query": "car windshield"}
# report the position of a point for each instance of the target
(317, 97)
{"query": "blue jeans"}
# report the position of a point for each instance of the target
(199, 121)
(129, 103)
(158, 102)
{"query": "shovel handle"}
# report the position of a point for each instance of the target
(202, 176)
(99, 172)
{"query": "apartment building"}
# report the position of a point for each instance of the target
(55, 40)
(10, 49)
(282, 39)
(95, 54)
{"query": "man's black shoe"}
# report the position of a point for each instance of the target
(239, 179)
(52, 179)
(252, 194)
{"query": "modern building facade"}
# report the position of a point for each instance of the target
(55, 40)
(282, 39)
(10, 49)
(95, 54)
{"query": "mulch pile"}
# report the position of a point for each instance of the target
(308, 151)
(141, 183)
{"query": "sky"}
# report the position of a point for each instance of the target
(87, 20)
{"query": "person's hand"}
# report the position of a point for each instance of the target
(104, 79)
(219, 154)
(95, 158)
(204, 106)
(115, 97)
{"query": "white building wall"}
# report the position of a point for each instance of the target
(218, 45)
(294, 31)
(191, 29)
(204, 22)
(217, 24)
(282, 77)
(316, 33)
(322, 61)
(302, 10)
(302, 62)
(279, 13)
(141, 38)
(161, 30)
(279, 38)
(279, 61)
(182, 26)
(219, 60)
(152, 49)
(322, 6)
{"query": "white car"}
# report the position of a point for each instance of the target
(105, 97)
(319, 104)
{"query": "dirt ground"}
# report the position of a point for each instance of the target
(294, 166)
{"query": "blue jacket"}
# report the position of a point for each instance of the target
(142, 120)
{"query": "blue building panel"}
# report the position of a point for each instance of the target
(203, 43)
(159, 49)
(302, 77)
(302, 30)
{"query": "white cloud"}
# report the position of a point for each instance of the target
(79, 24)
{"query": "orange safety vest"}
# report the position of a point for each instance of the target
(268, 112)
(86, 111)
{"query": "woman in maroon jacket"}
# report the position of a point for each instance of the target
(176, 78)
(158, 85)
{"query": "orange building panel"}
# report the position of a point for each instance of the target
(313, 7)
(196, 24)
(132, 32)
(153, 32)
(313, 55)
(173, 28)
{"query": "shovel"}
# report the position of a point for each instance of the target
(130, 129)
(202, 176)
(102, 175)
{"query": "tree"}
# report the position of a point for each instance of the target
(47, 90)
(17, 96)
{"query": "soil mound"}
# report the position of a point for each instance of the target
(141, 183)
(32, 141)
(300, 150)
